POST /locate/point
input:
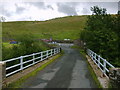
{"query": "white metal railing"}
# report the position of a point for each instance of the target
(26, 61)
(100, 62)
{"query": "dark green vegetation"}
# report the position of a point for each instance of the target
(102, 35)
(59, 28)
(27, 45)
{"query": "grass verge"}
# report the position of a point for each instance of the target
(18, 83)
(94, 76)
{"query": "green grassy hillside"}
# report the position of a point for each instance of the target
(59, 28)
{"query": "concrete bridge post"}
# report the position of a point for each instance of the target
(114, 76)
(2, 73)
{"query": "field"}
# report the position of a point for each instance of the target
(59, 28)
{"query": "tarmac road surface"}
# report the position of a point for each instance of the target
(68, 71)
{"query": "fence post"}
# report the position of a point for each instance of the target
(47, 54)
(54, 51)
(21, 62)
(51, 52)
(57, 50)
(105, 66)
(33, 58)
(41, 56)
(95, 57)
(2, 73)
(98, 60)
(92, 56)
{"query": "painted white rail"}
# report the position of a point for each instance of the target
(26, 61)
(100, 62)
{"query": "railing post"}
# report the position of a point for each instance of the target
(90, 53)
(21, 62)
(98, 60)
(41, 56)
(51, 52)
(95, 57)
(54, 51)
(92, 56)
(47, 54)
(58, 50)
(105, 66)
(33, 58)
(2, 74)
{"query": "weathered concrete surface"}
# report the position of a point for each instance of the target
(2, 73)
(69, 71)
(104, 81)
(114, 76)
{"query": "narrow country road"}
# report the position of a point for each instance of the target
(69, 71)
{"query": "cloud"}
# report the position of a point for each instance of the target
(50, 7)
(67, 8)
(40, 5)
(85, 11)
(3, 11)
(19, 9)
(14, 11)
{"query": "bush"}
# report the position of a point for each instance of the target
(101, 35)
(27, 45)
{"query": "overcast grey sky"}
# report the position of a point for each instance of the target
(27, 11)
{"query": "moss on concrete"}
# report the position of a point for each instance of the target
(94, 76)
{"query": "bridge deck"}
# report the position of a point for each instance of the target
(69, 71)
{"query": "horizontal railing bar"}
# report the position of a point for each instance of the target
(38, 61)
(12, 72)
(110, 64)
(37, 53)
(28, 61)
(12, 59)
(12, 66)
(28, 66)
(106, 69)
(27, 55)
(37, 58)
(44, 51)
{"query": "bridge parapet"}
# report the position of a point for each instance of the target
(108, 70)
(102, 63)
(14, 65)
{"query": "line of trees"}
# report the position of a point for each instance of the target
(102, 34)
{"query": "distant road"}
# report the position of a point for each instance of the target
(69, 71)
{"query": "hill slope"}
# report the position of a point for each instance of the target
(59, 28)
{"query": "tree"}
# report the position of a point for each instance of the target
(102, 33)
(2, 19)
